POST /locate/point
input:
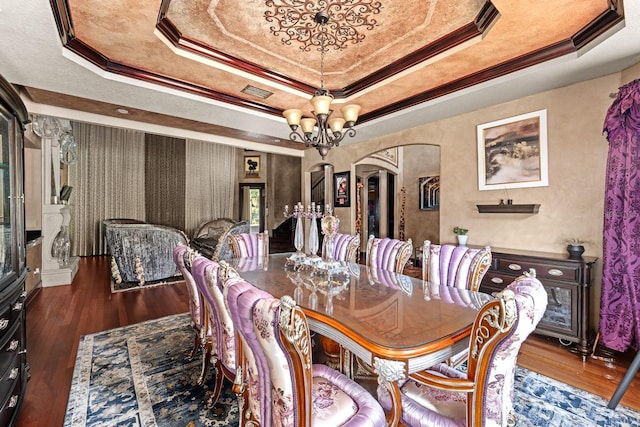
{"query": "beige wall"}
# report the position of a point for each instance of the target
(572, 204)
(420, 161)
(284, 187)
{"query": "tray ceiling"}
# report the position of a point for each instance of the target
(417, 52)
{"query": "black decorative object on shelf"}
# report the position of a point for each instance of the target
(575, 251)
(509, 208)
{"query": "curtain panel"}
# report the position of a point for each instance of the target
(210, 183)
(620, 298)
(192, 182)
(108, 182)
(165, 183)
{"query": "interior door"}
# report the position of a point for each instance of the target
(252, 206)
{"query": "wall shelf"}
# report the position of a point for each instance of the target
(519, 209)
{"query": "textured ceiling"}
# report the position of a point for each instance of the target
(418, 52)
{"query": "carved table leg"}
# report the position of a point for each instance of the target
(389, 373)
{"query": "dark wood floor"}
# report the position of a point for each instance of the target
(57, 317)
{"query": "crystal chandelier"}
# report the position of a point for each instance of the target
(329, 131)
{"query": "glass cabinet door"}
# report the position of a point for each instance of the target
(6, 249)
(18, 199)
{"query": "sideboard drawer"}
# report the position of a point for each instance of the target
(496, 281)
(543, 270)
(11, 375)
(11, 402)
(11, 346)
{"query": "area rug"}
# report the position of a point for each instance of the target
(138, 375)
(133, 286)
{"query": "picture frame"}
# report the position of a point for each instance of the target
(512, 152)
(429, 191)
(342, 189)
(252, 166)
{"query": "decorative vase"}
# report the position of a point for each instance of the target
(462, 239)
(575, 251)
(61, 247)
(330, 226)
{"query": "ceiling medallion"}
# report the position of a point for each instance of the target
(295, 21)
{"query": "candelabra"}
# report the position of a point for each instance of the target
(313, 212)
(298, 240)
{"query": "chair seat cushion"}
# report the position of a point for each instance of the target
(424, 406)
(339, 401)
(449, 404)
(331, 406)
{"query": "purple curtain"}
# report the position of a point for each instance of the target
(620, 301)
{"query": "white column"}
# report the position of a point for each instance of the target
(54, 216)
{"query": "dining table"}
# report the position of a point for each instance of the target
(396, 324)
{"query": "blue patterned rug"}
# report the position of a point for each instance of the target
(138, 376)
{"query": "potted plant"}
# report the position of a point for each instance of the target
(462, 235)
(575, 247)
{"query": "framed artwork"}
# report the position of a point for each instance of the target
(341, 190)
(252, 166)
(429, 190)
(512, 152)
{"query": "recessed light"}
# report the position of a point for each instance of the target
(123, 111)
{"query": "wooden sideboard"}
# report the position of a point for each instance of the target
(568, 285)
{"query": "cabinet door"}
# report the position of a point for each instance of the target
(12, 248)
(561, 317)
(7, 255)
(17, 202)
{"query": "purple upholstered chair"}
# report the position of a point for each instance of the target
(457, 266)
(183, 256)
(286, 389)
(248, 245)
(346, 247)
(483, 396)
(251, 384)
(221, 343)
(388, 254)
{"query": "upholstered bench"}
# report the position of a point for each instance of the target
(142, 252)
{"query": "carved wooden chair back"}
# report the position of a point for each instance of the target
(183, 257)
(442, 395)
(346, 247)
(248, 245)
(457, 266)
(298, 393)
(388, 254)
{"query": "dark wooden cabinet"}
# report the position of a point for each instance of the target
(568, 285)
(13, 374)
(13, 271)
